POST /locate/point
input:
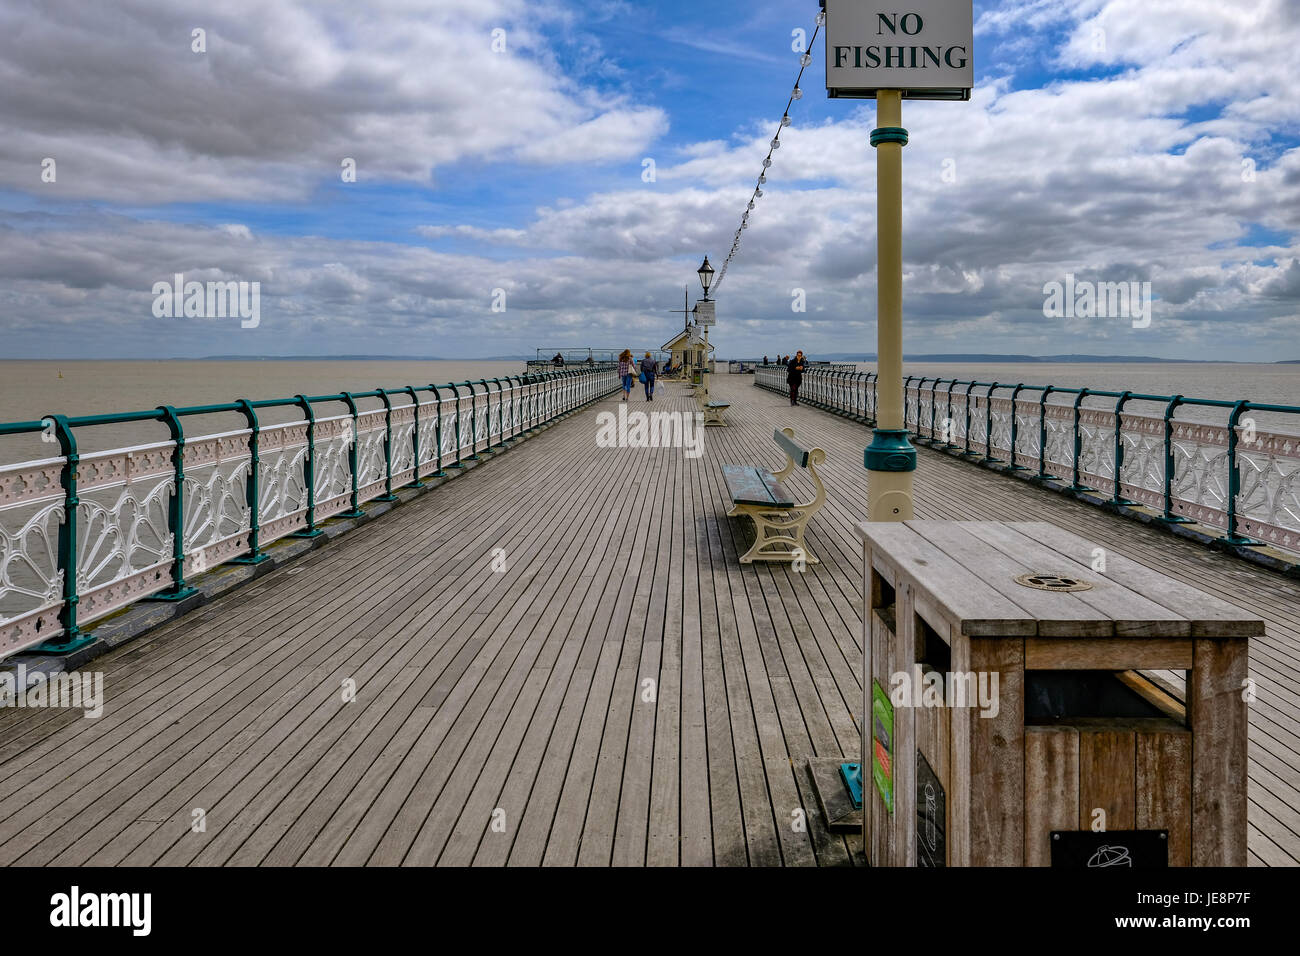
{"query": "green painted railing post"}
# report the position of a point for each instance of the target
(525, 402)
(1117, 498)
(988, 426)
(966, 453)
(529, 403)
(1234, 476)
(252, 487)
(1015, 428)
(72, 637)
(1042, 432)
(179, 590)
(455, 391)
(950, 429)
(501, 415)
(437, 429)
(415, 438)
(309, 469)
(473, 420)
(516, 419)
(934, 409)
(1168, 514)
(917, 432)
(356, 511)
(1078, 442)
(388, 447)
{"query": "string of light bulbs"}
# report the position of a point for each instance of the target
(805, 58)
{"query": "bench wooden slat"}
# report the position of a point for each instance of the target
(755, 486)
(791, 448)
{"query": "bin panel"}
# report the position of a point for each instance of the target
(1051, 788)
(997, 756)
(1217, 708)
(1164, 789)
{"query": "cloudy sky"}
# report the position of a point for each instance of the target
(1117, 140)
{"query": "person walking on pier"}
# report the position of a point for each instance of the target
(625, 372)
(649, 369)
(794, 376)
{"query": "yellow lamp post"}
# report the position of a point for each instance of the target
(890, 458)
(918, 49)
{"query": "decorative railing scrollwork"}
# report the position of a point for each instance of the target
(1234, 476)
(62, 568)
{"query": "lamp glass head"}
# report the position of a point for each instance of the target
(706, 276)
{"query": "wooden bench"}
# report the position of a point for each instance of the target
(712, 410)
(779, 520)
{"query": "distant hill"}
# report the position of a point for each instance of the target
(989, 358)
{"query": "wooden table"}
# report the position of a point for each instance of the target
(1081, 734)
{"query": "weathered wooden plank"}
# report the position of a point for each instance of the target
(1209, 616)
(1107, 763)
(500, 678)
(1051, 789)
(1058, 614)
(748, 485)
(1218, 714)
(1132, 614)
(1164, 789)
(997, 756)
(1064, 653)
(791, 447)
(956, 590)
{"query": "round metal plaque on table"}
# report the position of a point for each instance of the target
(1053, 582)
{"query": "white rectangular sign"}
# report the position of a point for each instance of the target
(923, 47)
(704, 313)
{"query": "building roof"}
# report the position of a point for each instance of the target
(676, 339)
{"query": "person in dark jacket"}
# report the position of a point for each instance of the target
(794, 375)
(649, 368)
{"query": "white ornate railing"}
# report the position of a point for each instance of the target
(1234, 477)
(82, 536)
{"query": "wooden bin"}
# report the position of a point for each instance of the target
(1119, 731)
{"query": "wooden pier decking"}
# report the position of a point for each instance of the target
(507, 716)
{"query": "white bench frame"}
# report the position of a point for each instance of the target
(786, 524)
(712, 411)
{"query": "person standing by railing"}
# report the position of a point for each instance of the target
(794, 375)
(649, 369)
(625, 371)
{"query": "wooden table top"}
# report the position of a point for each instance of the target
(969, 569)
